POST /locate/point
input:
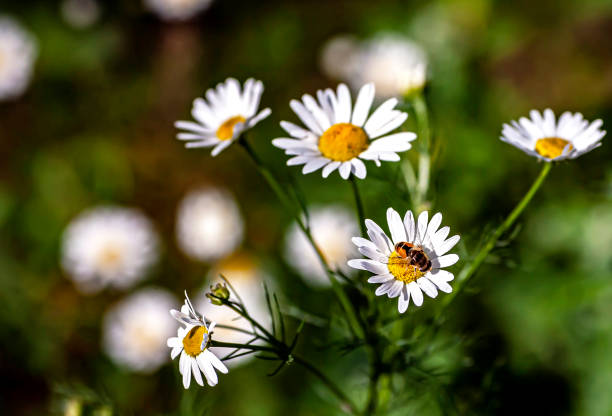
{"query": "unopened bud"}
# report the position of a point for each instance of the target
(218, 293)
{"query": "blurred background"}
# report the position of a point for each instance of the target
(88, 154)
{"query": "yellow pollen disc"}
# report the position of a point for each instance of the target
(342, 142)
(551, 147)
(109, 256)
(226, 130)
(402, 270)
(192, 343)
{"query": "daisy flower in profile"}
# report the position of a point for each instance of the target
(412, 261)
(177, 10)
(550, 140)
(226, 113)
(338, 136)
(18, 53)
(332, 227)
(108, 246)
(208, 224)
(192, 344)
(136, 328)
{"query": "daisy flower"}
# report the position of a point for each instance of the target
(543, 137)
(108, 246)
(136, 328)
(177, 10)
(412, 261)
(396, 65)
(332, 227)
(224, 115)
(18, 53)
(208, 224)
(340, 137)
(192, 344)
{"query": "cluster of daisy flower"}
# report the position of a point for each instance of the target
(340, 134)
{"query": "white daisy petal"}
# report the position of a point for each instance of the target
(378, 237)
(294, 130)
(358, 168)
(328, 169)
(196, 372)
(427, 286)
(216, 362)
(422, 223)
(404, 300)
(445, 261)
(410, 226)
(396, 226)
(447, 245)
(345, 170)
(369, 265)
(381, 278)
(363, 104)
(415, 293)
(343, 107)
(380, 113)
(384, 288)
(314, 164)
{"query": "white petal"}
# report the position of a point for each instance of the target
(369, 265)
(314, 164)
(390, 126)
(396, 226)
(343, 107)
(220, 147)
(378, 237)
(306, 116)
(196, 372)
(404, 300)
(427, 286)
(187, 373)
(345, 170)
(396, 289)
(415, 292)
(358, 168)
(421, 227)
(207, 369)
(330, 168)
(380, 113)
(410, 226)
(316, 111)
(216, 362)
(445, 261)
(363, 104)
(447, 245)
(193, 127)
(384, 288)
(294, 130)
(380, 278)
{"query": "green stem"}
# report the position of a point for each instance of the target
(278, 190)
(358, 205)
(251, 347)
(346, 402)
(469, 270)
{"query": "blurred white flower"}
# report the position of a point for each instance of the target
(337, 56)
(412, 261)
(543, 137)
(18, 52)
(192, 343)
(208, 224)
(80, 14)
(396, 65)
(135, 330)
(340, 136)
(177, 10)
(108, 246)
(226, 113)
(244, 275)
(332, 228)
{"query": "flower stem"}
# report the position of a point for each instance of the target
(278, 190)
(358, 205)
(470, 269)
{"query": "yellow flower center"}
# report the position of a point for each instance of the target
(551, 147)
(192, 343)
(402, 270)
(342, 142)
(109, 257)
(226, 130)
